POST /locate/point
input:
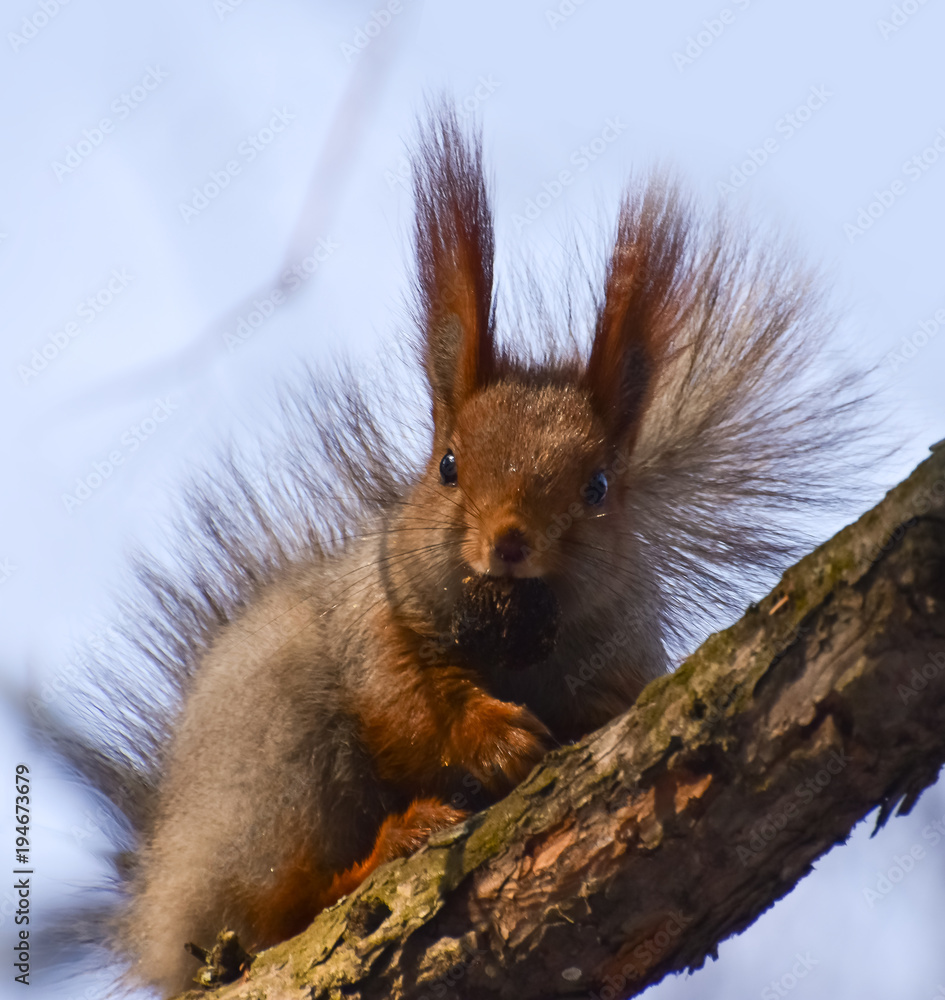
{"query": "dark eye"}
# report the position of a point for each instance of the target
(448, 469)
(596, 488)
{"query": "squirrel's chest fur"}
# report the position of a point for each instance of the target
(274, 704)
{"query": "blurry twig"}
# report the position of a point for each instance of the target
(331, 173)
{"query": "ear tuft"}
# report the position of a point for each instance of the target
(645, 291)
(455, 249)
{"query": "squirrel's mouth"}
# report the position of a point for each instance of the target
(508, 623)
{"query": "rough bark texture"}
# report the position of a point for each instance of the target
(635, 852)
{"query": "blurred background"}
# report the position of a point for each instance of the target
(201, 197)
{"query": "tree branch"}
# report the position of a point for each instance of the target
(633, 853)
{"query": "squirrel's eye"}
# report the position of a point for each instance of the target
(448, 469)
(596, 488)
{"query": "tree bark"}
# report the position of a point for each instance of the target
(635, 852)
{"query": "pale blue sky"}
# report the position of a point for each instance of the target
(298, 113)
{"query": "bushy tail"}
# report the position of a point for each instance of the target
(106, 717)
(754, 431)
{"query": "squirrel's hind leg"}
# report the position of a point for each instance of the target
(400, 835)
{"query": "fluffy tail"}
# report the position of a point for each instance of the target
(241, 525)
(753, 429)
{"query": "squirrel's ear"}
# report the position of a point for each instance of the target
(455, 248)
(645, 288)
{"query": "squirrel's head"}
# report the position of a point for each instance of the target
(521, 501)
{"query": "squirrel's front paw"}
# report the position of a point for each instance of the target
(499, 743)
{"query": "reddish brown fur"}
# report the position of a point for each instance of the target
(423, 720)
(455, 247)
(400, 834)
(330, 717)
(645, 288)
(287, 907)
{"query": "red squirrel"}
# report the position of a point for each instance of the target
(341, 686)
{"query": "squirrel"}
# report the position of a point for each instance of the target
(346, 665)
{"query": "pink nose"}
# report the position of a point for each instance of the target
(510, 546)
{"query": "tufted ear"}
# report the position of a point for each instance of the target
(645, 283)
(455, 249)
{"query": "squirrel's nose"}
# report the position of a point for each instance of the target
(510, 547)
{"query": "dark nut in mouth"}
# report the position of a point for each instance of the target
(510, 624)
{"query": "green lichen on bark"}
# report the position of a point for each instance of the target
(671, 805)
